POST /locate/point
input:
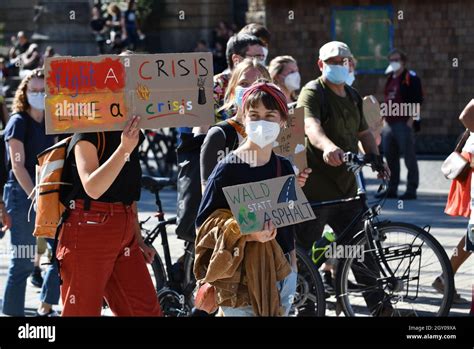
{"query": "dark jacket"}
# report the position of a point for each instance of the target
(410, 87)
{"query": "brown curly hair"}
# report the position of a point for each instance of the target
(20, 102)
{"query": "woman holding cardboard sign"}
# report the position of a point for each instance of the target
(101, 251)
(253, 274)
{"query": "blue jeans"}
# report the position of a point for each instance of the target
(287, 290)
(241, 311)
(470, 238)
(23, 244)
(397, 139)
(50, 291)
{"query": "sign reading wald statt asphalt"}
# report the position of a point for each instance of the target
(279, 200)
(89, 94)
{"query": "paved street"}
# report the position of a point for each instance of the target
(428, 209)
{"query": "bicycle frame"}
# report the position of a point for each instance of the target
(367, 215)
(160, 229)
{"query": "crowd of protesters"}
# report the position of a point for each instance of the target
(115, 30)
(252, 98)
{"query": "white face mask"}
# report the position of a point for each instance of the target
(350, 78)
(36, 100)
(393, 67)
(293, 81)
(265, 54)
(262, 132)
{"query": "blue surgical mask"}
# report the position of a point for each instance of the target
(36, 99)
(239, 93)
(337, 74)
(350, 78)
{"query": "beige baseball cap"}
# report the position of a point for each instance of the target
(334, 49)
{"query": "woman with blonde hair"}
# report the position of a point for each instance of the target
(226, 136)
(25, 138)
(285, 74)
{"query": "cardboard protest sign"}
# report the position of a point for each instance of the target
(291, 141)
(371, 109)
(89, 94)
(279, 200)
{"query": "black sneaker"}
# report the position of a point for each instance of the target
(36, 279)
(328, 282)
(407, 196)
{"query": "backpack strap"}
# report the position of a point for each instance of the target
(100, 144)
(356, 98)
(317, 86)
(238, 127)
(462, 141)
(231, 128)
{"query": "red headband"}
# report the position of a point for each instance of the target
(269, 88)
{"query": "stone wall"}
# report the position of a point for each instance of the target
(433, 33)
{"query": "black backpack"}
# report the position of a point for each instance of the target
(189, 178)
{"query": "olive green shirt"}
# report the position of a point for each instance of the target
(341, 123)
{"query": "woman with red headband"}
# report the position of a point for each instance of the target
(265, 113)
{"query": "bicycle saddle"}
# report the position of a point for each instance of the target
(155, 184)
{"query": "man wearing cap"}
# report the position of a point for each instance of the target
(334, 124)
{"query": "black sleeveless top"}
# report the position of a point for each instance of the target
(126, 187)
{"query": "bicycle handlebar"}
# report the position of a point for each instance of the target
(359, 160)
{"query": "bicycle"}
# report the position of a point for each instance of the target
(158, 152)
(175, 287)
(396, 263)
(174, 292)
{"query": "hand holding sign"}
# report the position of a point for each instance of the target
(130, 135)
(267, 234)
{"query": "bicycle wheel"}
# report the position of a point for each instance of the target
(172, 302)
(416, 259)
(189, 283)
(157, 271)
(309, 298)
